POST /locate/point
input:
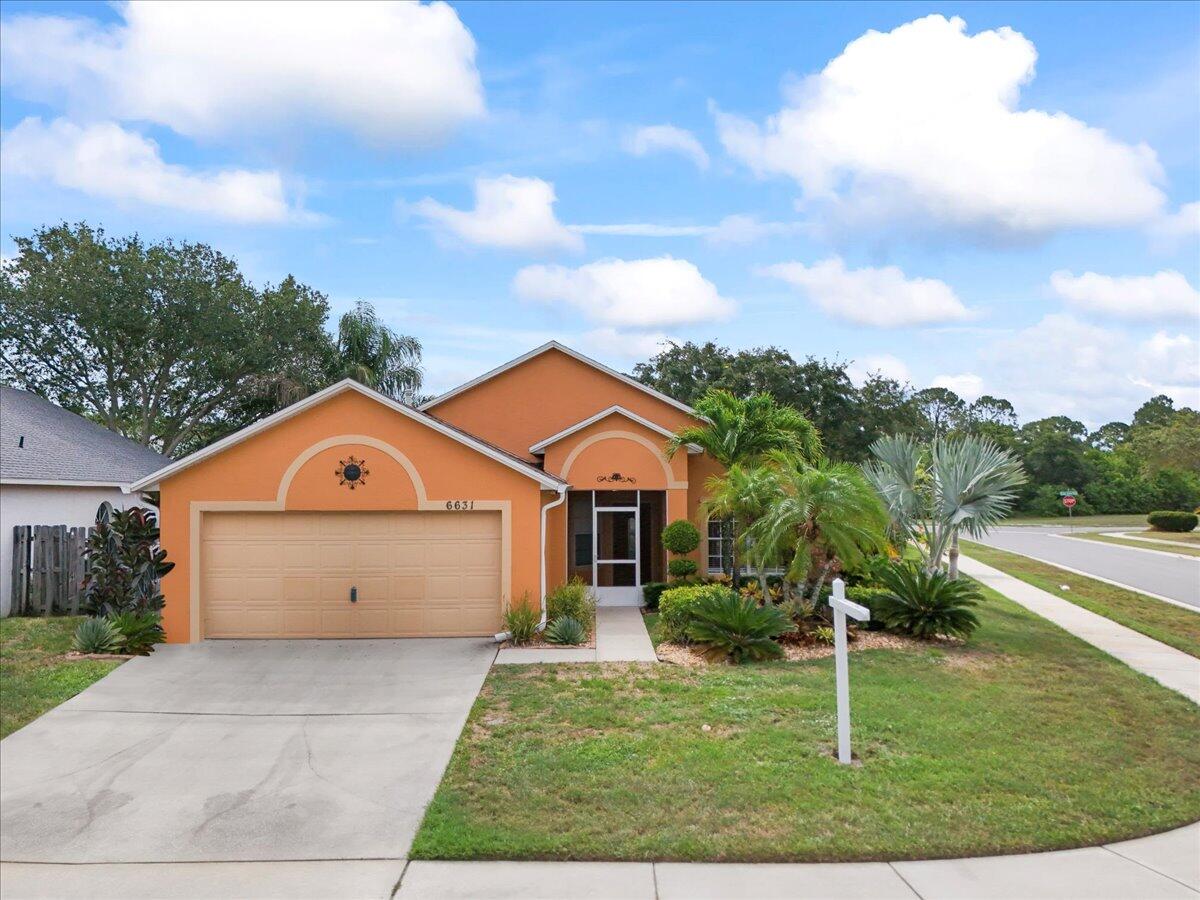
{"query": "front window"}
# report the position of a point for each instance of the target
(720, 545)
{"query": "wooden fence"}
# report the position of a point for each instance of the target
(47, 569)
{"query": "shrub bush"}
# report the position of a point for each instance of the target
(139, 631)
(737, 627)
(123, 562)
(1172, 520)
(677, 605)
(521, 621)
(566, 630)
(869, 597)
(651, 591)
(681, 537)
(926, 604)
(682, 567)
(575, 600)
(824, 634)
(96, 635)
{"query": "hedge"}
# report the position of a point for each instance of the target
(677, 605)
(1172, 520)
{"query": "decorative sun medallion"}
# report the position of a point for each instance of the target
(352, 472)
(616, 478)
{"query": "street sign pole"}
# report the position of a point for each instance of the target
(841, 663)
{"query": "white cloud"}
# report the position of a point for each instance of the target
(395, 73)
(667, 139)
(884, 364)
(610, 342)
(734, 229)
(644, 229)
(882, 298)
(104, 160)
(510, 212)
(639, 293)
(967, 385)
(1164, 295)
(1173, 229)
(923, 122)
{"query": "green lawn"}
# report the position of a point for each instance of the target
(1026, 739)
(1124, 519)
(34, 677)
(651, 620)
(1162, 621)
(1181, 537)
(1101, 538)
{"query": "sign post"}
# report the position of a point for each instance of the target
(1069, 501)
(842, 608)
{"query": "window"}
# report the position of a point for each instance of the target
(720, 544)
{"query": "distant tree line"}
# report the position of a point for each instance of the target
(1152, 462)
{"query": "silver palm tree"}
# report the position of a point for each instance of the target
(933, 494)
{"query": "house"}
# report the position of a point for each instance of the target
(349, 514)
(56, 468)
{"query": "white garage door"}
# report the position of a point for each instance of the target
(291, 574)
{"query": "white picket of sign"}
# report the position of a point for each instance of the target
(842, 608)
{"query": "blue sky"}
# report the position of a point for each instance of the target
(925, 200)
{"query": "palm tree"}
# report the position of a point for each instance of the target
(824, 514)
(743, 494)
(962, 483)
(739, 432)
(375, 355)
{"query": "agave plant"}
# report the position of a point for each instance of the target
(96, 635)
(736, 627)
(566, 630)
(926, 604)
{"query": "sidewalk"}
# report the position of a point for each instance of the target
(620, 637)
(1166, 665)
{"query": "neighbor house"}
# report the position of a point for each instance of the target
(349, 514)
(56, 468)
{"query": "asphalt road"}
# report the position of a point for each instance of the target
(1169, 576)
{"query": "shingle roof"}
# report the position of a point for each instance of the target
(61, 446)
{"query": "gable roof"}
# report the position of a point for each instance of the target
(550, 482)
(540, 446)
(41, 443)
(546, 347)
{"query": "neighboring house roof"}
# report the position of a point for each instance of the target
(540, 446)
(41, 443)
(551, 482)
(555, 345)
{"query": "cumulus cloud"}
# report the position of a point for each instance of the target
(609, 342)
(511, 213)
(968, 385)
(1173, 229)
(639, 293)
(924, 121)
(882, 298)
(105, 160)
(396, 73)
(734, 229)
(884, 364)
(1164, 295)
(667, 139)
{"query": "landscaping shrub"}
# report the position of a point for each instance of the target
(123, 562)
(96, 635)
(521, 621)
(651, 591)
(926, 604)
(566, 630)
(139, 631)
(869, 597)
(1172, 520)
(575, 600)
(682, 567)
(677, 605)
(737, 627)
(824, 634)
(681, 537)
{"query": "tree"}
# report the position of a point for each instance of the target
(933, 493)
(1053, 452)
(1109, 436)
(885, 406)
(743, 494)
(1174, 444)
(375, 355)
(942, 410)
(1158, 410)
(165, 343)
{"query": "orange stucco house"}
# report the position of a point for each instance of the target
(351, 515)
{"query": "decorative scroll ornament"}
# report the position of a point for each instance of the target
(352, 472)
(616, 478)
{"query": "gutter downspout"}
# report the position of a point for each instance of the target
(562, 496)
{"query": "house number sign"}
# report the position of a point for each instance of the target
(460, 504)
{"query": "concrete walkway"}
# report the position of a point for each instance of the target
(1166, 665)
(620, 637)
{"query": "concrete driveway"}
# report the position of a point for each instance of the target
(241, 750)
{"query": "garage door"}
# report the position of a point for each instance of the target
(290, 575)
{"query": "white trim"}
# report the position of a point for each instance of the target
(124, 486)
(541, 445)
(320, 397)
(538, 351)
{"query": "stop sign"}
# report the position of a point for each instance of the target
(1068, 502)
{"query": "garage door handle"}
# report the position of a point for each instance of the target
(353, 594)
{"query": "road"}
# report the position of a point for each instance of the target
(1157, 573)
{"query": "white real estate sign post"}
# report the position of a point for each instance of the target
(842, 608)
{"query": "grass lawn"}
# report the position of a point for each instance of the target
(34, 677)
(1101, 538)
(1124, 519)
(1173, 625)
(1025, 739)
(1179, 537)
(651, 620)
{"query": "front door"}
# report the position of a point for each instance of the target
(616, 532)
(614, 542)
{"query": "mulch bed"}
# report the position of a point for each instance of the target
(72, 656)
(681, 655)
